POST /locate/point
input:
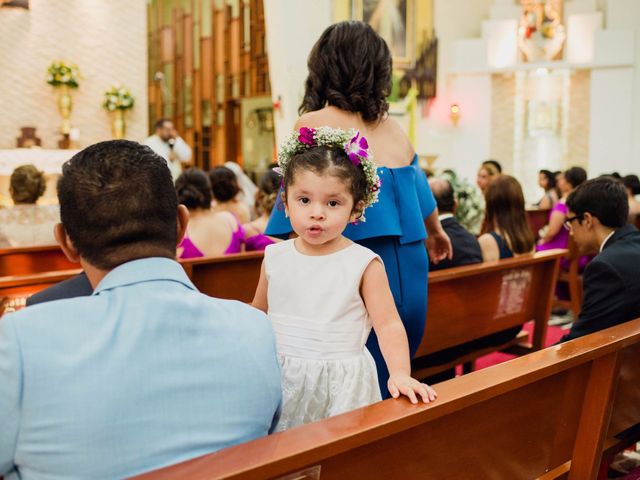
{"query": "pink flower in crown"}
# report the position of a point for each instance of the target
(356, 149)
(307, 136)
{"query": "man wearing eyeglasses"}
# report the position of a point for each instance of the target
(598, 212)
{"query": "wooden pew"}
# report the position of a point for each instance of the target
(29, 260)
(230, 276)
(537, 218)
(544, 415)
(470, 302)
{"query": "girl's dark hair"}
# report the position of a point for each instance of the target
(194, 189)
(268, 189)
(350, 68)
(224, 184)
(27, 184)
(551, 179)
(329, 160)
(505, 212)
(575, 176)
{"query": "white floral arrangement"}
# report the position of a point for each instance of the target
(118, 98)
(62, 73)
(470, 211)
(355, 146)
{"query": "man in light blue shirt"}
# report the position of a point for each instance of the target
(147, 371)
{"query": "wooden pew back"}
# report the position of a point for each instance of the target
(29, 260)
(469, 302)
(538, 415)
(537, 218)
(233, 277)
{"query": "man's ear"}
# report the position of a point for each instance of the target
(65, 243)
(183, 221)
(589, 220)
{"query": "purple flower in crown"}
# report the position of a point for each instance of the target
(307, 135)
(356, 149)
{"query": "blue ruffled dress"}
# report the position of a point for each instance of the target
(395, 231)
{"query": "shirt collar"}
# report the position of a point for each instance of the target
(144, 270)
(444, 216)
(604, 242)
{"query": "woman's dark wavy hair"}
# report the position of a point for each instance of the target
(194, 189)
(350, 68)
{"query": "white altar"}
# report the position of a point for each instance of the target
(49, 161)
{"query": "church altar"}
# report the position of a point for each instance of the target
(49, 161)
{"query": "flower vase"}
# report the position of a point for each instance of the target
(64, 107)
(118, 124)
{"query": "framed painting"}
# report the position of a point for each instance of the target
(394, 20)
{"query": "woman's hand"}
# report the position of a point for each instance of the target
(410, 387)
(439, 246)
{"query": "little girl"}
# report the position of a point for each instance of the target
(322, 292)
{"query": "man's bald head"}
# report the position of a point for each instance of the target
(443, 193)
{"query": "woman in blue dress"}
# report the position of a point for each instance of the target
(348, 83)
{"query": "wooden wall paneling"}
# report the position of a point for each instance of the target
(178, 65)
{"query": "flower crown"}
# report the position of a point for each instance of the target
(355, 146)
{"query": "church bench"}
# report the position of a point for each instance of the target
(233, 276)
(229, 276)
(537, 218)
(473, 301)
(15, 289)
(546, 415)
(28, 260)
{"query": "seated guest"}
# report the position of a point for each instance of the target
(598, 213)
(555, 236)
(488, 170)
(226, 194)
(466, 249)
(632, 184)
(248, 189)
(505, 231)
(209, 233)
(27, 224)
(255, 239)
(78, 286)
(145, 372)
(547, 181)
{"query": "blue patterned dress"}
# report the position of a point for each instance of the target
(395, 231)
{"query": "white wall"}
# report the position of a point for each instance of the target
(106, 39)
(465, 146)
(292, 26)
(623, 15)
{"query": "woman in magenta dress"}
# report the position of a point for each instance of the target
(268, 189)
(555, 235)
(348, 83)
(209, 233)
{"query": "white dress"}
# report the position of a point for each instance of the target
(321, 327)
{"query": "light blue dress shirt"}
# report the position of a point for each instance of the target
(144, 373)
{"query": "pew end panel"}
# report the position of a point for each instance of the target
(471, 302)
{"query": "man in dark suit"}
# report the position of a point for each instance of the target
(598, 211)
(77, 286)
(466, 249)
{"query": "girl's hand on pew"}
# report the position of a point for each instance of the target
(410, 387)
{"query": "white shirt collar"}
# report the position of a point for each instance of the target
(605, 239)
(444, 216)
